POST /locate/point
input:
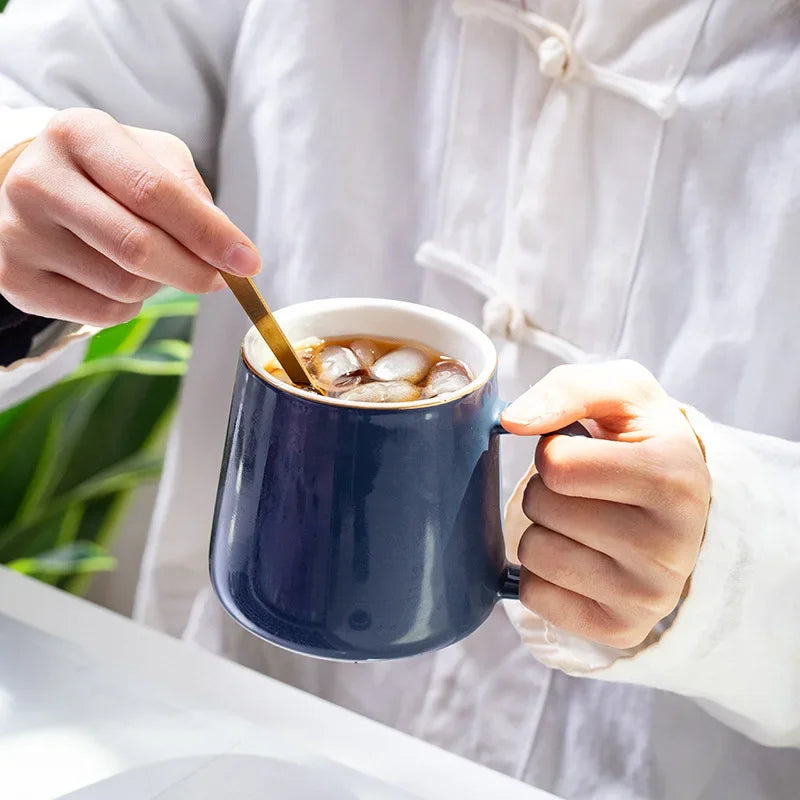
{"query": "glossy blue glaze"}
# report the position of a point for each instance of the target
(354, 533)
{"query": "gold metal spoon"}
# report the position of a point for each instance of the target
(260, 315)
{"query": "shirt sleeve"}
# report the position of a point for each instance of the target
(734, 644)
(57, 54)
(17, 331)
(159, 64)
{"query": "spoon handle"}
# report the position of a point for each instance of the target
(260, 315)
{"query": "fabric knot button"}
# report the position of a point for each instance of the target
(553, 57)
(504, 319)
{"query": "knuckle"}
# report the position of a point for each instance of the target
(16, 293)
(661, 607)
(664, 477)
(586, 618)
(146, 188)
(605, 627)
(557, 473)
(693, 484)
(647, 601)
(685, 489)
(531, 497)
(666, 550)
(592, 623)
(63, 126)
(205, 235)
(681, 564)
(11, 284)
(205, 282)
(134, 248)
(621, 636)
(676, 478)
(663, 488)
(23, 183)
(128, 288)
(636, 374)
(530, 545)
(676, 557)
(195, 183)
(527, 595)
(70, 125)
(114, 313)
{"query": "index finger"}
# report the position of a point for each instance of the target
(117, 164)
(651, 474)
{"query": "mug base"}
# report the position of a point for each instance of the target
(316, 643)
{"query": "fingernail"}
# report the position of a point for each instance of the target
(242, 260)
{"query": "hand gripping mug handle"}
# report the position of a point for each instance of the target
(509, 588)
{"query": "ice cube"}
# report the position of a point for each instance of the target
(383, 392)
(335, 367)
(367, 351)
(305, 349)
(446, 377)
(403, 364)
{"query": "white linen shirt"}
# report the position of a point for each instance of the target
(589, 181)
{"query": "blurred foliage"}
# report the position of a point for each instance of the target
(71, 456)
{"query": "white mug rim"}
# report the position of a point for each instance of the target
(310, 307)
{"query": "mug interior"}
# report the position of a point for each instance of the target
(390, 319)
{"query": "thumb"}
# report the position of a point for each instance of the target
(614, 394)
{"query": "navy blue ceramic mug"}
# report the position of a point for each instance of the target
(360, 531)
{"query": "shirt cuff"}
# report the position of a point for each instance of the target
(34, 373)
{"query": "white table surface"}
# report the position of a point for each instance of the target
(87, 696)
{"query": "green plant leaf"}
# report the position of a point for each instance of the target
(20, 447)
(138, 363)
(36, 491)
(167, 295)
(119, 340)
(127, 338)
(180, 307)
(121, 425)
(175, 349)
(69, 559)
(35, 450)
(8, 416)
(71, 456)
(70, 525)
(18, 539)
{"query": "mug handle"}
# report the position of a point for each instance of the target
(509, 589)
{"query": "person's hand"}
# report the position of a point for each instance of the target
(95, 216)
(617, 520)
